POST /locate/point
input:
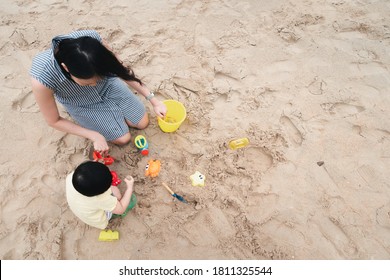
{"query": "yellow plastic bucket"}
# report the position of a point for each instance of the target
(176, 114)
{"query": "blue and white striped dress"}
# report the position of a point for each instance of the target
(101, 108)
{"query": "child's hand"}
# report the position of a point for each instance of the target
(129, 180)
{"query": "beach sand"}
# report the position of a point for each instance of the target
(307, 82)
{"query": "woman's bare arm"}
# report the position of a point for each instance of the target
(47, 105)
(159, 107)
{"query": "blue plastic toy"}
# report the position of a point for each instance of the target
(141, 143)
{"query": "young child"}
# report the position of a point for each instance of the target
(92, 198)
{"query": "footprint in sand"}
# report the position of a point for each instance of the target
(342, 109)
(44, 141)
(77, 159)
(225, 82)
(383, 216)
(376, 134)
(9, 255)
(216, 227)
(334, 233)
(288, 34)
(286, 231)
(17, 132)
(255, 160)
(368, 174)
(24, 178)
(73, 150)
(292, 131)
(25, 103)
(347, 26)
(226, 103)
(317, 86)
(187, 84)
(261, 207)
(367, 54)
(49, 180)
(225, 76)
(219, 223)
(281, 70)
(114, 35)
(52, 183)
(24, 38)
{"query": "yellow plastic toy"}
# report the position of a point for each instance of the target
(238, 143)
(176, 114)
(197, 179)
(152, 168)
(108, 235)
(142, 144)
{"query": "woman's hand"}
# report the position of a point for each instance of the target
(159, 108)
(99, 143)
(48, 106)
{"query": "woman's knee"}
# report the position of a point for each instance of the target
(142, 124)
(123, 140)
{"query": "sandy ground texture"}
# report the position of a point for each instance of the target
(306, 81)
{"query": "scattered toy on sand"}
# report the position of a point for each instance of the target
(107, 159)
(115, 179)
(108, 235)
(238, 143)
(197, 179)
(152, 168)
(174, 194)
(142, 144)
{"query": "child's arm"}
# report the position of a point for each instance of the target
(116, 192)
(122, 204)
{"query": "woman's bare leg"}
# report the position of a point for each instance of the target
(125, 139)
(144, 122)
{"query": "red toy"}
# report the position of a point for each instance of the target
(115, 180)
(107, 160)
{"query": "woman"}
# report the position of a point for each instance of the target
(91, 83)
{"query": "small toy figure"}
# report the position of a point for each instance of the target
(197, 179)
(238, 143)
(141, 143)
(115, 180)
(175, 195)
(152, 168)
(107, 160)
(108, 235)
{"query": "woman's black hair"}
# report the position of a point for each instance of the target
(86, 57)
(92, 178)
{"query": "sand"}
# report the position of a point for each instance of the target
(307, 82)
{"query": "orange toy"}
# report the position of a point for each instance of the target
(152, 168)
